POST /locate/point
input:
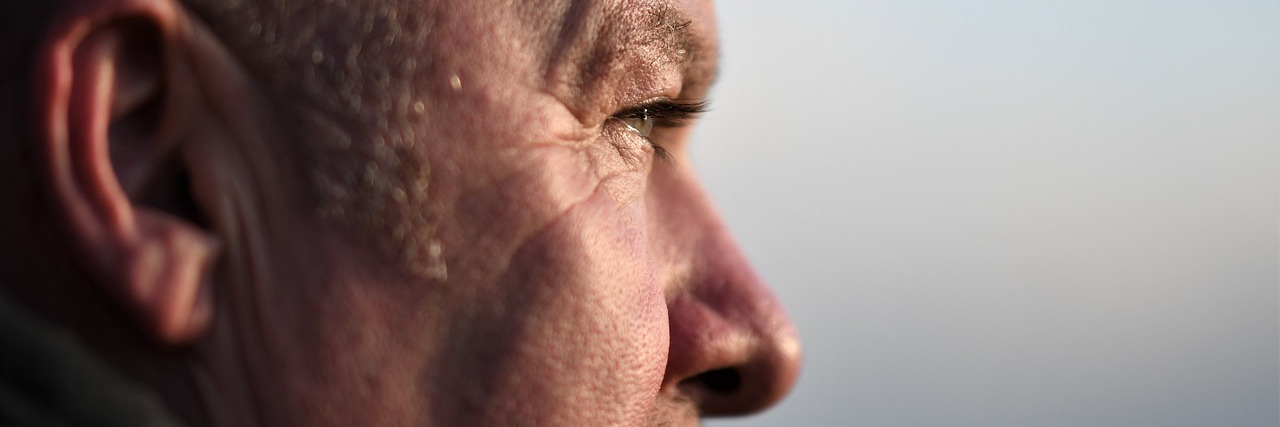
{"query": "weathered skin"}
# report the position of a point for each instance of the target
(588, 281)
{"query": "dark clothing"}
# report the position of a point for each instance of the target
(47, 378)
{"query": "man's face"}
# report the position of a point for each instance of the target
(575, 277)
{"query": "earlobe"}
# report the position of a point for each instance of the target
(110, 104)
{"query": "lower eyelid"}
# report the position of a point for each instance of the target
(629, 142)
(642, 126)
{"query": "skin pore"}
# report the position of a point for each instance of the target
(476, 239)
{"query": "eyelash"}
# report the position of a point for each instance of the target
(665, 113)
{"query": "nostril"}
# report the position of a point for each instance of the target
(732, 349)
(723, 381)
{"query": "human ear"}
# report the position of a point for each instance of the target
(113, 105)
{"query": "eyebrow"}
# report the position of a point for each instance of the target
(594, 42)
(672, 32)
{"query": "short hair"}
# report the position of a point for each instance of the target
(343, 76)
(21, 25)
(348, 75)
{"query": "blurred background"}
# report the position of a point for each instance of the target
(1010, 213)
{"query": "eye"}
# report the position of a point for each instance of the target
(661, 113)
(641, 123)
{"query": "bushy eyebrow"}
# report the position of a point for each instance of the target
(668, 30)
(673, 34)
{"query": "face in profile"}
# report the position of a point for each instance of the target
(587, 279)
(514, 234)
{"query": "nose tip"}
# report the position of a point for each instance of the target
(756, 383)
(732, 353)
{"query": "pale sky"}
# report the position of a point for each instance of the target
(1010, 213)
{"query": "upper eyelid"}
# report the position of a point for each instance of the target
(668, 112)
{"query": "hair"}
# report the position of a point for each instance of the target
(350, 99)
(21, 24)
(348, 73)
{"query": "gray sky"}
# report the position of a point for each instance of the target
(1010, 213)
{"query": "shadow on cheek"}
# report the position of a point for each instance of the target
(576, 321)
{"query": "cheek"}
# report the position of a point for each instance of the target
(588, 318)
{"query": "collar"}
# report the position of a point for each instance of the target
(48, 378)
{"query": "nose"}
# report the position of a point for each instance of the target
(733, 349)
